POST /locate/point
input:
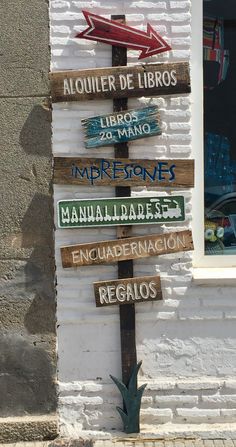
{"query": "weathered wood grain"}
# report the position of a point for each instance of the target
(121, 82)
(174, 173)
(127, 291)
(107, 252)
(128, 125)
(125, 268)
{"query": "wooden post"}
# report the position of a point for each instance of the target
(125, 268)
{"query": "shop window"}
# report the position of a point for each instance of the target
(219, 79)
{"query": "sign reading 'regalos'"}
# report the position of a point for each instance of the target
(127, 291)
(121, 82)
(122, 126)
(118, 211)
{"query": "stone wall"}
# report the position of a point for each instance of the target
(27, 293)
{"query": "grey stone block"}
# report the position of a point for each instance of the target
(24, 55)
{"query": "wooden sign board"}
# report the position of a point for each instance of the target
(107, 252)
(120, 210)
(124, 172)
(122, 126)
(127, 291)
(121, 82)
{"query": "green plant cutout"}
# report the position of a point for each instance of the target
(132, 401)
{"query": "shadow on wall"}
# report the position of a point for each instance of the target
(26, 378)
(37, 232)
(37, 224)
(35, 136)
(28, 355)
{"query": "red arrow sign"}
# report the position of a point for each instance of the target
(114, 33)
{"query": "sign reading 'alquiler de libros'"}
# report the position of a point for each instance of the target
(120, 82)
(127, 291)
(117, 211)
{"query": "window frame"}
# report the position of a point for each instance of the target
(200, 260)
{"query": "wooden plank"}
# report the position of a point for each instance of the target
(106, 252)
(127, 291)
(175, 173)
(125, 268)
(127, 125)
(121, 82)
(117, 211)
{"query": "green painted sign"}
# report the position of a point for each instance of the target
(120, 211)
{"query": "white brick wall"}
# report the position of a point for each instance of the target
(187, 342)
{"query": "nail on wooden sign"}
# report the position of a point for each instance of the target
(119, 127)
(127, 291)
(107, 252)
(121, 82)
(118, 211)
(124, 172)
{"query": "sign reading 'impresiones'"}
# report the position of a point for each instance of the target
(124, 172)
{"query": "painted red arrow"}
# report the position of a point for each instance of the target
(114, 33)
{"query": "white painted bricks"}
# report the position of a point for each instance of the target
(187, 342)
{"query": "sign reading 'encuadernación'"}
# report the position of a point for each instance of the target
(103, 252)
(117, 211)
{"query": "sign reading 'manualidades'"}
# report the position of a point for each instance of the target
(118, 211)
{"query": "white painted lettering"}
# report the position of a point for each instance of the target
(153, 290)
(111, 82)
(111, 290)
(103, 295)
(65, 215)
(123, 81)
(144, 290)
(173, 77)
(66, 87)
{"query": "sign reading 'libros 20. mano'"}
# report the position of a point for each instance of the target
(118, 211)
(121, 82)
(118, 127)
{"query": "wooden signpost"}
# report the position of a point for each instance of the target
(117, 211)
(126, 291)
(117, 33)
(124, 172)
(121, 126)
(95, 253)
(121, 82)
